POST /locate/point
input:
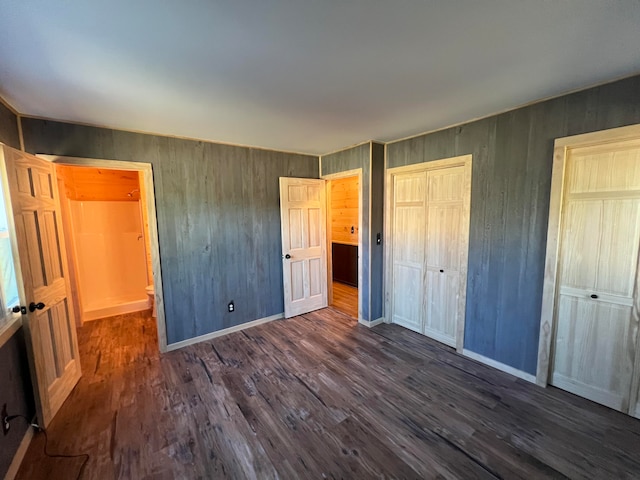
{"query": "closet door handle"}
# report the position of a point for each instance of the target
(593, 295)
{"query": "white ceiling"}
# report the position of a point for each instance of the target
(307, 76)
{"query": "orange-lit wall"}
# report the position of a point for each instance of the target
(105, 234)
(110, 256)
(344, 210)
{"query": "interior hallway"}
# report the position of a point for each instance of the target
(318, 396)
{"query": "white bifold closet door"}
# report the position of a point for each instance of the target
(428, 252)
(595, 344)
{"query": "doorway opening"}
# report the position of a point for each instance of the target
(109, 219)
(344, 241)
(102, 210)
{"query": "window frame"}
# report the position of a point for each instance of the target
(10, 322)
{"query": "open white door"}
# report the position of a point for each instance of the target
(51, 336)
(304, 257)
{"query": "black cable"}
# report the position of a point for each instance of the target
(46, 443)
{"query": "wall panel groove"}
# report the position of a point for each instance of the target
(9, 132)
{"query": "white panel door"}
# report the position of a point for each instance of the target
(444, 244)
(595, 341)
(304, 259)
(408, 255)
(51, 333)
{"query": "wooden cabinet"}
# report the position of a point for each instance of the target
(344, 260)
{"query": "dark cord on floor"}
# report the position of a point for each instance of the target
(46, 443)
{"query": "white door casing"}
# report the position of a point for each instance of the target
(329, 178)
(50, 331)
(304, 257)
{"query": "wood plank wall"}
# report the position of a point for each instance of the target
(512, 157)
(344, 210)
(17, 393)
(91, 184)
(218, 218)
(361, 157)
(377, 211)
(9, 127)
(15, 379)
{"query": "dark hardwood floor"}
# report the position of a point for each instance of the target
(345, 299)
(318, 396)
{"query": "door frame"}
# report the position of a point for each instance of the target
(146, 172)
(460, 161)
(550, 284)
(70, 244)
(356, 172)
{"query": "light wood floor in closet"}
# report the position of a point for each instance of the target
(345, 299)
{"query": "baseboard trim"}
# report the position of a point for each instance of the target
(134, 306)
(19, 455)
(221, 333)
(500, 366)
(371, 323)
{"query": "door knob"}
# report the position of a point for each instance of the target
(36, 306)
(287, 256)
(594, 296)
(19, 309)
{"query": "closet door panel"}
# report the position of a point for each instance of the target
(445, 188)
(408, 251)
(591, 357)
(442, 306)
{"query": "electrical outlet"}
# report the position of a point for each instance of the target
(231, 307)
(4, 420)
